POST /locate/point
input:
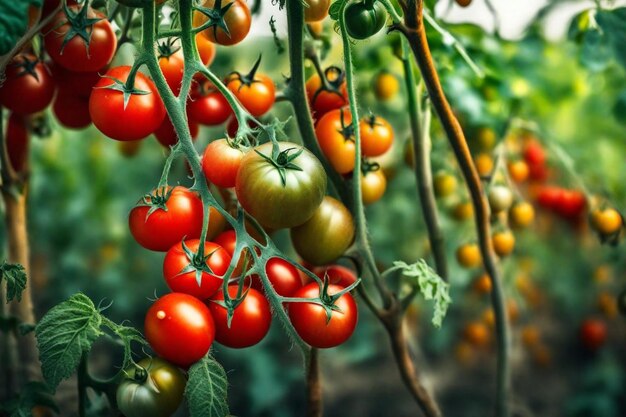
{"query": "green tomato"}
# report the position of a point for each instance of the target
(157, 391)
(326, 235)
(365, 18)
(280, 187)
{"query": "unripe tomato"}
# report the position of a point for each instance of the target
(607, 304)
(530, 336)
(486, 138)
(521, 214)
(463, 211)
(500, 198)
(593, 334)
(373, 186)
(518, 171)
(606, 222)
(444, 184)
(315, 10)
(503, 243)
(468, 255)
(386, 86)
(365, 18)
(231, 24)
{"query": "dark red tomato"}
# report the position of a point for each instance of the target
(250, 322)
(534, 153)
(549, 196)
(177, 261)
(17, 141)
(79, 84)
(220, 163)
(166, 135)
(335, 136)
(236, 18)
(72, 111)
(593, 334)
(138, 118)
(76, 55)
(29, 87)
(179, 328)
(172, 67)
(571, 204)
(284, 277)
(311, 321)
(337, 275)
(322, 101)
(210, 108)
(164, 228)
(538, 173)
(256, 95)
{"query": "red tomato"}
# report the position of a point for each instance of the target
(593, 334)
(250, 322)
(179, 328)
(312, 324)
(571, 204)
(376, 135)
(284, 277)
(72, 111)
(256, 94)
(75, 54)
(337, 275)
(163, 228)
(138, 118)
(177, 261)
(227, 240)
(336, 138)
(166, 135)
(79, 84)
(236, 18)
(172, 67)
(17, 142)
(210, 108)
(534, 154)
(220, 163)
(549, 196)
(28, 87)
(322, 101)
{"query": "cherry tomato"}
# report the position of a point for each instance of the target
(376, 135)
(463, 3)
(78, 84)
(373, 186)
(311, 320)
(220, 163)
(500, 198)
(337, 275)
(323, 101)
(28, 87)
(179, 328)
(228, 241)
(521, 214)
(365, 18)
(256, 94)
(444, 184)
(484, 164)
(607, 221)
(206, 49)
(503, 243)
(72, 111)
(315, 10)
(468, 255)
(386, 86)
(173, 67)
(284, 277)
(250, 322)
(477, 334)
(549, 196)
(336, 139)
(166, 135)
(571, 204)
(209, 108)
(234, 16)
(17, 142)
(534, 153)
(593, 334)
(518, 171)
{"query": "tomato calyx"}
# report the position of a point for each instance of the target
(198, 262)
(367, 166)
(140, 375)
(26, 66)
(79, 25)
(282, 160)
(167, 49)
(215, 17)
(328, 302)
(157, 200)
(248, 79)
(231, 304)
(333, 78)
(347, 130)
(124, 88)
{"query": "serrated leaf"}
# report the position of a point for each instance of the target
(15, 277)
(431, 285)
(32, 394)
(14, 22)
(206, 389)
(66, 332)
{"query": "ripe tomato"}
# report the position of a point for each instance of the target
(280, 187)
(365, 18)
(178, 215)
(500, 198)
(220, 163)
(231, 25)
(209, 107)
(166, 135)
(484, 164)
(444, 184)
(315, 10)
(173, 67)
(138, 118)
(179, 328)
(571, 204)
(376, 135)
(256, 92)
(336, 139)
(463, 3)
(477, 334)
(326, 235)
(228, 241)
(76, 54)
(250, 322)
(593, 334)
(386, 86)
(337, 275)
(72, 111)
(503, 243)
(534, 153)
(518, 171)
(28, 87)
(373, 186)
(181, 264)
(17, 142)
(155, 390)
(79, 84)
(482, 284)
(607, 221)
(468, 255)
(284, 277)
(311, 321)
(521, 215)
(206, 49)
(549, 196)
(323, 101)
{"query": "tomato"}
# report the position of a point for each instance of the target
(534, 153)
(386, 86)
(468, 255)
(477, 334)
(482, 284)
(486, 138)
(17, 142)
(78, 84)
(484, 164)
(518, 171)
(138, 118)
(571, 204)
(280, 187)
(156, 390)
(256, 92)
(376, 135)
(549, 196)
(179, 328)
(315, 10)
(182, 264)
(311, 321)
(250, 322)
(373, 186)
(228, 241)
(230, 26)
(463, 211)
(323, 101)
(173, 67)
(166, 134)
(365, 18)
(206, 50)
(463, 3)
(530, 336)
(72, 111)
(521, 214)
(220, 163)
(284, 277)
(178, 215)
(326, 235)
(503, 243)
(209, 108)
(444, 184)
(76, 54)
(337, 275)
(593, 334)
(28, 87)
(500, 198)
(606, 222)
(129, 148)
(336, 139)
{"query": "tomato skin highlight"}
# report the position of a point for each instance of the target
(250, 322)
(176, 261)
(237, 19)
(179, 328)
(310, 319)
(221, 162)
(284, 277)
(25, 93)
(143, 114)
(72, 111)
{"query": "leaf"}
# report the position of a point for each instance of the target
(127, 336)
(431, 285)
(613, 24)
(335, 8)
(206, 389)
(15, 276)
(14, 22)
(66, 332)
(32, 394)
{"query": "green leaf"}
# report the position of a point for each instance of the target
(14, 22)
(431, 285)
(15, 276)
(66, 332)
(619, 108)
(335, 8)
(206, 389)
(613, 25)
(32, 394)
(127, 335)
